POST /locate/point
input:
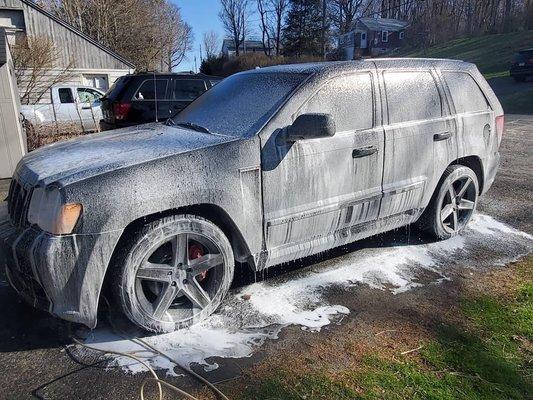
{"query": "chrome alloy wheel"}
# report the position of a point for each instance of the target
(179, 277)
(458, 204)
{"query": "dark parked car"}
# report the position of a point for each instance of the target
(522, 65)
(268, 166)
(148, 97)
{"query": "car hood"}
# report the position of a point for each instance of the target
(99, 153)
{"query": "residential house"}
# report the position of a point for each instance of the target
(373, 36)
(247, 46)
(92, 63)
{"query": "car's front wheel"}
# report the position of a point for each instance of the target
(174, 273)
(453, 203)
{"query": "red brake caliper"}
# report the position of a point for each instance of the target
(196, 251)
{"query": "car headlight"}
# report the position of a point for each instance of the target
(49, 212)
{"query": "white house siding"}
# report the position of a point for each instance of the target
(12, 140)
(88, 56)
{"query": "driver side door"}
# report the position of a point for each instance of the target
(89, 107)
(322, 191)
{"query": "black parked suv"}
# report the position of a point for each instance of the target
(522, 65)
(148, 97)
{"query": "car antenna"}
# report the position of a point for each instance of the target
(155, 97)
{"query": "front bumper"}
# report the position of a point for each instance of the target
(60, 274)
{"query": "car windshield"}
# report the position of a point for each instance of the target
(241, 104)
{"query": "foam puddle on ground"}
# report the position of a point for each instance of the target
(241, 326)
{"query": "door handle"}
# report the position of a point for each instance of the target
(364, 151)
(442, 136)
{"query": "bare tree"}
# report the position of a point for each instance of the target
(279, 10)
(211, 42)
(343, 13)
(233, 16)
(265, 26)
(150, 33)
(36, 62)
(528, 20)
(177, 35)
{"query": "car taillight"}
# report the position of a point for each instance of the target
(500, 122)
(121, 110)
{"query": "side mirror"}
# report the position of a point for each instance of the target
(310, 126)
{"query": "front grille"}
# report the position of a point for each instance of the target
(18, 202)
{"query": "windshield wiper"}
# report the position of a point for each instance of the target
(193, 126)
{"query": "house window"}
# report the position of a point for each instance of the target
(402, 35)
(385, 36)
(363, 36)
(96, 81)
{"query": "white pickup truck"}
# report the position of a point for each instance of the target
(70, 105)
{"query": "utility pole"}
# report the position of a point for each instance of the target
(324, 5)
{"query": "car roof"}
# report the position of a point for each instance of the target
(342, 66)
(175, 74)
(70, 86)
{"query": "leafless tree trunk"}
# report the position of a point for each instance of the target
(36, 64)
(528, 22)
(211, 43)
(178, 37)
(343, 13)
(279, 8)
(265, 26)
(233, 16)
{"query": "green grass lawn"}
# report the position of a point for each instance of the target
(489, 357)
(492, 53)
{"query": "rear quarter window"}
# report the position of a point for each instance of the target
(152, 89)
(466, 94)
(411, 96)
(188, 89)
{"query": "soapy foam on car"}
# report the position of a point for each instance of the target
(241, 326)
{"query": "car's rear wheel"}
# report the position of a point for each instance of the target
(453, 203)
(175, 273)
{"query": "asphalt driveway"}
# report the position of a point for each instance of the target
(37, 361)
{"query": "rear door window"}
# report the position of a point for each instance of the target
(188, 89)
(65, 95)
(152, 89)
(349, 99)
(466, 94)
(412, 96)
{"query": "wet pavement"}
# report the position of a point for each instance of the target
(36, 362)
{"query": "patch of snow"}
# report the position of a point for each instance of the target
(241, 326)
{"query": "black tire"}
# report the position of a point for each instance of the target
(173, 289)
(451, 196)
